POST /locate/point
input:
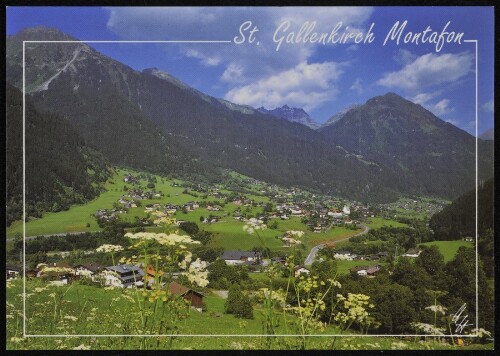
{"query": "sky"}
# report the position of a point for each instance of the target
(322, 78)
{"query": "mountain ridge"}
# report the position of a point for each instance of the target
(153, 121)
(294, 114)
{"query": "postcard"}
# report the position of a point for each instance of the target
(250, 178)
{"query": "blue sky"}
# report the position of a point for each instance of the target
(323, 79)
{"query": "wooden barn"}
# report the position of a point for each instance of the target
(194, 297)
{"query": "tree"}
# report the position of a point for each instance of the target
(237, 303)
(189, 227)
(461, 273)
(431, 260)
(324, 270)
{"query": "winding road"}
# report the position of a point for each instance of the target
(50, 235)
(312, 255)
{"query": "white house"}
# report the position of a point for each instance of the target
(413, 252)
(123, 276)
(240, 257)
(301, 270)
(346, 210)
(344, 256)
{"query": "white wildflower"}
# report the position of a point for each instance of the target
(71, 317)
(109, 248)
(437, 309)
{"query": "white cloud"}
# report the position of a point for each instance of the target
(429, 70)
(205, 60)
(489, 106)
(404, 57)
(423, 98)
(223, 23)
(453, 122)
(357, 87)
(439, 108)
(306, 85)
(233, 74)
(442, 107)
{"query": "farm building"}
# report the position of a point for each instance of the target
(195, 298)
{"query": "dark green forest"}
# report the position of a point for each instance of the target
(60, 169)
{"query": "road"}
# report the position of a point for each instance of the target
(50, 235)
(312, 255)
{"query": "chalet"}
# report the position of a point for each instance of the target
(346, 210)
(240, 257)
(360, 270)
(301, 270)
(63, 273)
(90, 270)
(344, 255)
(413, 252)
(12, 272)
(372, 270)
(193, 297)
(124, 276)
(334, 215)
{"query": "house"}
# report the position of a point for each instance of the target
(124, 276)
(372, 270)
(63, 273)
(12, 272)
(344, 255)
(195, 298)
(240, 257)
(346, 210)
(413, 252)
(301, 270)
(90, 270)
(360, 270)
(334, 215)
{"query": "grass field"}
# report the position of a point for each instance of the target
(77, 217)
(377, 223)
(448, 248)
(79, 310)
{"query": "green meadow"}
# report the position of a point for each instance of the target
(449, 248)
(377, 223)
(86, 310)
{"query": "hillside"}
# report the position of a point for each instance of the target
(60, 169)
(424, 153)
(458, 219)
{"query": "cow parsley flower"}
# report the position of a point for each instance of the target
(109, 248)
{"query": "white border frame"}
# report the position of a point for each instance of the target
(224, 335)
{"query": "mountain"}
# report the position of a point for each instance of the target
(291, 114)
(424, 153)
(488, 135)
(340, 115)
(152, 121)
(60, 169)
(458, 219)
